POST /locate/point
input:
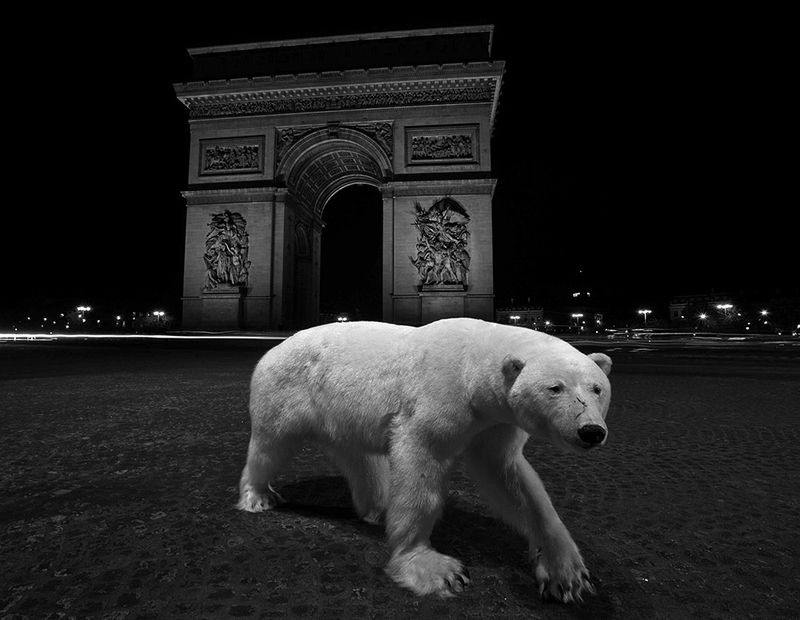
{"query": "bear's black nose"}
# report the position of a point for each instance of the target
(592, 434)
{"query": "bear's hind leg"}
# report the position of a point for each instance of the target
(264, 458)
(368, 477)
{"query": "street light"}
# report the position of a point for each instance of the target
(514, 317)
(764, 313)
(725, 308)
(645, 312)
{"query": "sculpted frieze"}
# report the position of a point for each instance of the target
(227, 247)
(442, 255)
(271, 103)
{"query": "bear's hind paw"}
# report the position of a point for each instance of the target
(252, 501)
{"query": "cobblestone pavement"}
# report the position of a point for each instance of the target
(119, 464)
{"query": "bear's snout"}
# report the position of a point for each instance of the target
(592, 434)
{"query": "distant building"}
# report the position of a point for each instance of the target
(524, 316)
(684, 307)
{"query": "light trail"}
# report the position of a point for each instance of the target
(43, 336)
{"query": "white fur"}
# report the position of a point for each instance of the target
(395, 406)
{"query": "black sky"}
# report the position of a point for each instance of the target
(651, 151)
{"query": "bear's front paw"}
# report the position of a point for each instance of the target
(251, 500)
(424, 571)
(560, 571)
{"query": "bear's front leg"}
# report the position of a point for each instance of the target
(514, 490)
(560, 571)
(416, 501)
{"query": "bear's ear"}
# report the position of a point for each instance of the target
(602, 360)
(512, 366)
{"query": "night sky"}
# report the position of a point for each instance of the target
(651, 152)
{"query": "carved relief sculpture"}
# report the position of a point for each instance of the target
(227, 245)
(425, 148)
(442, 256)
(287, 136)
(234, 155)
(442, 145)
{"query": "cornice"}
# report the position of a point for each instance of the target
(454, 83)
(309, 41)
(333, 78)
(320, 99)
(229, 195)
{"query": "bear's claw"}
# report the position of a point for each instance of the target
(428, 572)
(562, 578)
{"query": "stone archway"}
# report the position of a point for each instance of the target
(315, 164)
(268, 152)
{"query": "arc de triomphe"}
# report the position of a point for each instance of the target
(270, 145)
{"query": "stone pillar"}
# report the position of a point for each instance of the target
(415, 302)
(316, 251)
(225, 306)
(387, 276)
(278, 312)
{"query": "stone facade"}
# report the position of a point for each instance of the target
(273, 150)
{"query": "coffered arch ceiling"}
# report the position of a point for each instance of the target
(328, 171)
(320, 164)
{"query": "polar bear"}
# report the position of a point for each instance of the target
(394, 406)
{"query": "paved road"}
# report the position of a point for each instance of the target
(118, 466)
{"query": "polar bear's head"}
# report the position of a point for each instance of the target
(562, 394)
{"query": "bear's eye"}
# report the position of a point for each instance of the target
(555, 389)
(596, 389)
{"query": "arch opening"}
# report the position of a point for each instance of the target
(351, 254)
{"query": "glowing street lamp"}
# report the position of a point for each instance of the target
(514, 317)
(644, 313)
(725, 308)
(764, 313)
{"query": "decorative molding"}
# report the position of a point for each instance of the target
(227, 247)
(236, 155)
(382, 132)
(442, 259)
(343, 97)
(442, 145)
